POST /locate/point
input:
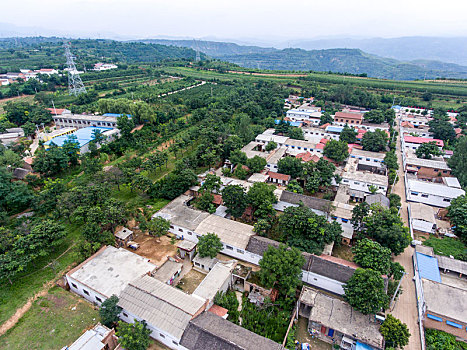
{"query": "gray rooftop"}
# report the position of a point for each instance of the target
(378, 198)
(161, 305)
(209, 331)
(361, 153)
(422, 211)
(339, 315)
(178, 213)
(454, 265)
(86, 117)
(308, 201)
(110, 270)
(230, 232)
(427, 163)
(351, 172)
(434, 189)
(91, 339)
(167, 270)
(123, 233)
(445, 300)
(186, 245)
(214, 280)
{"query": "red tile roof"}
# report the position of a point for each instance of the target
(218, 310)
(339, 261)
(217, 199)
(278, 176)
(407, 124)
(419, 140)
(58, 110)
(307, 157)
(358, 116)
(324, 126)
(320, 146)
(324, 141)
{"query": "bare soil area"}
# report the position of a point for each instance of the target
(155, 249)
(191, 281)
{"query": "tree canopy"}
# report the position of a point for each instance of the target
(336, 150)
(109, 311)
(235, 199)
(396, 334)
(427, 150)
(209, 245)
(458, 161)
(290, 165)
(133, 336)
(375, 141)
(370, 254)
(457, 213)
(348, 135)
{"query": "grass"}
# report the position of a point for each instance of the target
(13, 296)
(53, 321)
(343, 251)
(447, 246)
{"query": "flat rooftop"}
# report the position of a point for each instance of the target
(179, 214)
(99, 118)
(167, 270)
(337, 314)
(350, 172)
(84, 136)
(427, 163)
(230, 232)
(445, 300)
(214, 280)
(434, 189)
(367, 154)
(110, 270)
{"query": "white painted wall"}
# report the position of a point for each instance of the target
(84, 291)
(430, 199)
(323, 282)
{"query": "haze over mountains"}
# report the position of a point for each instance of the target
(342, 60)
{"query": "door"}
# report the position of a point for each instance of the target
(331, 332)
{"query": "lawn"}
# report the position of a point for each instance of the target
(447, 246)
(53, 321)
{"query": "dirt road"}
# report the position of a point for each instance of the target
(405, 308)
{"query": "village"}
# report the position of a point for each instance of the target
(216, 246)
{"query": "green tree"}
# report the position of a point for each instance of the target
(427, 150)
(457, 213)
(133, 336)
(458, 161)
(348, 135)
(256, 164)
(50, 162)
(211, 183)
(290, 165)
(436, 340)
(394, 200)
(440, 126)
(294, 186)
(326, 118)
(364, 291)
(229, 301)
(109, 311)
(29, 128)
(390, 159)
(271, 146)
(375, 141)
(359, 212)
(235, 199)
(336, 150)
(281, 267)
(306, 230)
(158, 226)
(209, 245)
(370, 254)
(261, 194)
(396, 334)
(295, 133)
(205, 202)
(14, 195)
(374, 116)
(238, 157)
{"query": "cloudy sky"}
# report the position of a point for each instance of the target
(270, 20)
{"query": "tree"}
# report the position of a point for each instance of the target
(295, 133)
(374, 116)
(271, 146)
(336, 150)
(158, 226)
(50, 162)
(133, 336)
(348, 135)
(386, 227)
(364, 291)
(396, 334)
(458, 161)
(436, 340)
(238, 157)
(211, 183)
(14, 195)
(29, 128)
(235, 199)
(261, 194)
(209, 245)
(441, 127)
(359, 212)
(232, 143)
(205, 202)
(326, 118)
(427, 150)
(109, 311)
(318, 175)
(281, 268)
(174, 184)
(457, 213)
(375, 141)
(229, 301)
(306, 230)
(394, 200)
(293, 186)
(390, 159)
(290, 165)
(125, 125)
(370, 254)
(256, 164)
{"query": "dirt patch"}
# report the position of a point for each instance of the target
(303, 336)
(191, 281)
(269, 74)
(343, 252)
(155, 249)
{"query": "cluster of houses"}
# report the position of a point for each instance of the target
(25, 75)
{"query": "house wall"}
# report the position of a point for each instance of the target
(414, 146)
(156, 333)
(323, 282)
(429, 173)
(363, 186)
(86, 292)
(430, 199)
(442, 326)
(63, 121)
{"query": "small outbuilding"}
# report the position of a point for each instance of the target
(123, 236)
(186, 249)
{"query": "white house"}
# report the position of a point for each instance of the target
(302, 115)
(104, 66)
(438, 195)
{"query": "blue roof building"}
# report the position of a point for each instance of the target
(297, 124)
(428, 267)
(332, 128)
(84, 136)
(116, 115)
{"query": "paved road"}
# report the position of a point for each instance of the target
(405, 308)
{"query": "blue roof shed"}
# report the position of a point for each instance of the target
(428, 267)
(83, 136)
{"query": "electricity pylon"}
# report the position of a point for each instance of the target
(75, 84)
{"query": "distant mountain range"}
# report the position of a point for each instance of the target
(353, 61)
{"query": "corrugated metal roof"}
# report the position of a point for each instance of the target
(83, 136)
(434, 189)
(428, 267)
(159, 304)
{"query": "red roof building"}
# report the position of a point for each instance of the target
(307, 157)
(278, 178)
(406, 124)
(420, 140)
(219, 311)
(348, 118)
(57, 111)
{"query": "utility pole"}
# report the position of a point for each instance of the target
(53, 104)
(397, 289)
(75, 84)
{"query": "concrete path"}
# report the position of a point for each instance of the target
(405, 308)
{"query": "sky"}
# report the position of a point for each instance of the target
(268, 20)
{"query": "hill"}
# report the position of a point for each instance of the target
(353, 61)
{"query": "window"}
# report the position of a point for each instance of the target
(180, 230)
(74, 286)
(173, 341)
(99, 299)
(414, 193)
(356, 183)
(345, 181)
(190, 233)
(162, 336)
(345, 220)
(229, 247)
(85, 292)
(436, 169)
(171, 226)
(446, 200)
(124, 314)
(240, 251)
(424, 195)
